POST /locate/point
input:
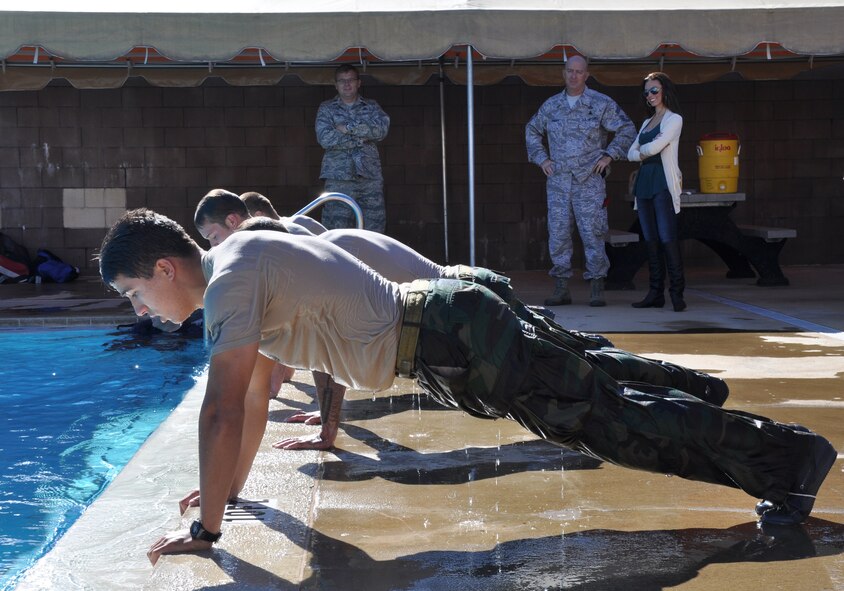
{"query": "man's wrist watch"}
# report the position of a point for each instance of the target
(197, 532)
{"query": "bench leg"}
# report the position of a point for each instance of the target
(625, 262)
(738, 267)
(765, 258)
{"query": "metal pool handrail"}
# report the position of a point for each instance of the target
(342, 197)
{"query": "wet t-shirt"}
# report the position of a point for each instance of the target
(294, 228)
(309, 223)
(389, 257)
(308, 303)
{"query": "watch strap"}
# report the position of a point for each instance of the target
(198, 532)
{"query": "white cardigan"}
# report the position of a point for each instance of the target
(667, 145)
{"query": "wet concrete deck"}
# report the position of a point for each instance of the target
(419, 497)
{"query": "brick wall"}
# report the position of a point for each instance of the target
(101, 150)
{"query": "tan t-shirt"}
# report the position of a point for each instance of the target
(393, 259)
(294, 228)
(313, 226)
(308, 303)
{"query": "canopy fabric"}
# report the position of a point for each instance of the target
(255, 42)
(533, 75)
(322, 30)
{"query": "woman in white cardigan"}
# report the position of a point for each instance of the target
(657, 190)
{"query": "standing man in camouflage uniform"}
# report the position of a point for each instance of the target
(576, 123)
(348, 127)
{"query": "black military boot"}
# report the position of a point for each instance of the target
(800, 500)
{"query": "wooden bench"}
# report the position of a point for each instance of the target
(748, 250)
(761, 245)
(768, 234)
(620, 238)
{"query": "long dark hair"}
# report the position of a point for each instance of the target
(669, 92)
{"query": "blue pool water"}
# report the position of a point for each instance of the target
(75, 405)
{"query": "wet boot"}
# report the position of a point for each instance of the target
(596, 298)
(561, 295)
(655, 298)
(676, 280)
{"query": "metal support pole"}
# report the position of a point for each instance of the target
(445, 174)
(470, 122)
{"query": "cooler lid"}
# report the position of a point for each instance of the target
(718, 135)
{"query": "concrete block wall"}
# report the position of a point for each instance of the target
(71, 160)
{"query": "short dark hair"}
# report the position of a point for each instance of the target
(257, 202)
(344, 69)
(137, 240)
(262, 223)
(669, 92)
(216, 206)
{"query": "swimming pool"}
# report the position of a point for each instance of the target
(75, 405)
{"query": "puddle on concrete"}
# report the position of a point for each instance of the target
(597, 560)
(744, 356)
(453, 502)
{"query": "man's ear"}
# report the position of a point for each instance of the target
(232, 221)
(167, 267)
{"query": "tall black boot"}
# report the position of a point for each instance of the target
(676, 279)
(655, 298)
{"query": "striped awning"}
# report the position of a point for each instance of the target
(183, 42)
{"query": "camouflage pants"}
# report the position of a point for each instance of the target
(619, 364)
(369, 194)
(572, 202)
(476, 355)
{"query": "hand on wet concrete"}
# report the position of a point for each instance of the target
(305, 442)
(281, 375)
(189, 500)
(309, 418)
(173, 542)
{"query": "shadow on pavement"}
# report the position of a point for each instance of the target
(591, 560)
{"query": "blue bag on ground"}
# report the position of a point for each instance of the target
(49, 267)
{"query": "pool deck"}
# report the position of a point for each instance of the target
(418, 497)
(83, 302)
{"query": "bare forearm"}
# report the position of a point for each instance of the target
(330, 396)
(254, 425)
(219, 447)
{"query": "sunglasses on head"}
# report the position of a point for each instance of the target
(651, 90)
